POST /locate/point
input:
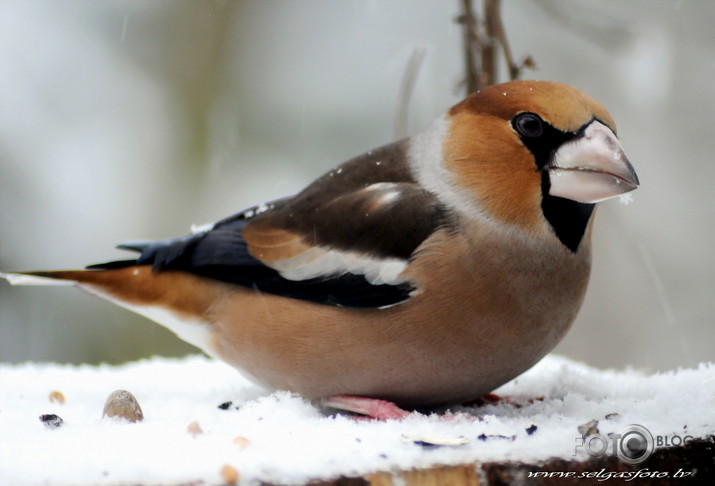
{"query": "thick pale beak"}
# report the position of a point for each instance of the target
(592, 167)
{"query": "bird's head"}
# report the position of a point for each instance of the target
(535, 154)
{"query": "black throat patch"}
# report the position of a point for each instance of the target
(568, 218)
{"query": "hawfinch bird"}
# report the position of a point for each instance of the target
(426, 272)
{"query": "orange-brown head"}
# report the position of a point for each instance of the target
(534, 155)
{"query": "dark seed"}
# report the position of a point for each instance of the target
(484, 437)
(51, 420)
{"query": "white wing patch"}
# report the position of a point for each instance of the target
(390, 193)
(320, 262)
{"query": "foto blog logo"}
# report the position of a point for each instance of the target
(633, 444)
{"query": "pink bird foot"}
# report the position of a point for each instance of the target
(367, 407)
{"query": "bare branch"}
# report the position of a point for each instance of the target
(489, 54)
(472, 44)
(406, 87)
(480, 51)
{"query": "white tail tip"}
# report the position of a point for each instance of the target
(22, 279)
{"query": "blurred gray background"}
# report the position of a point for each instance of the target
(124, 120)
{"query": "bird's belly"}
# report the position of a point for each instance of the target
(411, 357)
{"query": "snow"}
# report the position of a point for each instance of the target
(282, 438)
(625, 199)
(197, 229)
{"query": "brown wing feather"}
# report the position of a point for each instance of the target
(370, 205)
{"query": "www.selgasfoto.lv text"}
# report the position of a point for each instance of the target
(604, 475)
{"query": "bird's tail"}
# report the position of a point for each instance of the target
(60, 277)
(171, 298)
(136, 285)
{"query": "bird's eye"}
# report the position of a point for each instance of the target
(529, 125)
